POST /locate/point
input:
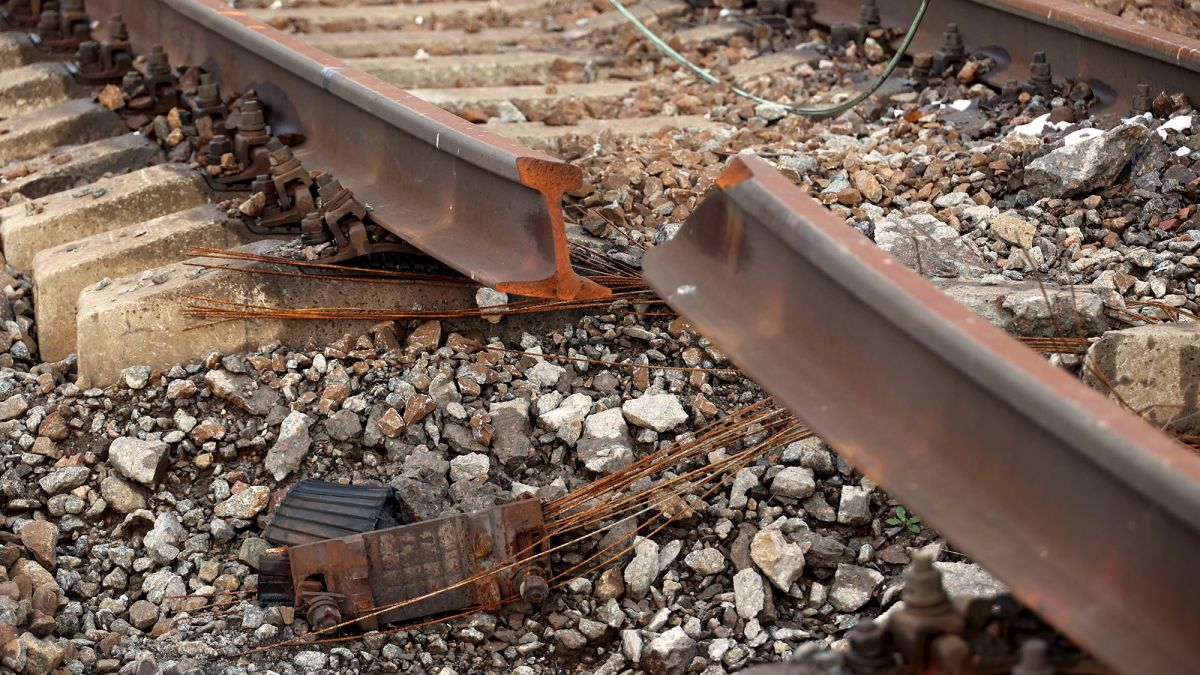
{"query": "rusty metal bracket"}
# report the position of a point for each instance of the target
(21, 13)
(1088, 514)
(62, 30)
(360, 573)
(481, 204)
(104, 62)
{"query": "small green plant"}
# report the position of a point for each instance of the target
(901, 516)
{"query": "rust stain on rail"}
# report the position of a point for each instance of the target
(1089, 514)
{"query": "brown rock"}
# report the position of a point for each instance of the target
(143, 614)
(391, 423)
(850, 197)
(41, 656)
(111, 97)
(46, 447)
(610, 584)
(704, 406)
(241, 390)
(968, 73)
(385, 336)
(7, 633)
(867, 185)
(54, 427)
(567, 113)
(181, 389)
(45, 599)
(25, 581)
(425, 338)
(417, 407)
(208, 430)
(41, 538)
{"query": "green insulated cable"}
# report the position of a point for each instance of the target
(808, 112)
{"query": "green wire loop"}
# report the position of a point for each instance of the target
(807, 112)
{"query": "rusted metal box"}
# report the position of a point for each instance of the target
(360, 573)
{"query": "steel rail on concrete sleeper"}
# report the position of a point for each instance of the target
(478, 202)
(1081, 43)
(1090, 515)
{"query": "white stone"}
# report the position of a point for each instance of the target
(854, 507)
(605, 445)
(163, 540)
(469, 466)
(291, 445)
(743, 481)
(489, 297)
(245, 504)
(749, 596)
(781, 560)
(544, 374)
(660, 412)
(508, 112)
(566, 421)
(705, 561)
(853, 586)
(795, 482)
(670, 653)
(1014, 229)
(138, 460)
(642, 570)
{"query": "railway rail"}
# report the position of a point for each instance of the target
(1109, 499)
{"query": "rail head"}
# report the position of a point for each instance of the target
(1088, 513)
(484, 205)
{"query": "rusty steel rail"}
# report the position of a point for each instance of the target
(1109, 53)
(479, 203)
(1089, 514)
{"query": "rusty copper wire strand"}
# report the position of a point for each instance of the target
(709, 435)
(690, 480)
(588, 255)
(1056, 345)
(613, 506)
(232, 309)
(568, 575)
(1131, 317)
(600, 362)
(620, 273)
(446, 281)
(1189, 440)
(750, 455)
(591, 506)
(233, 254)
(397, 278)
(1177, 311)
(617, 509)
(212, 609)
(661, 495)
(705, 436)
